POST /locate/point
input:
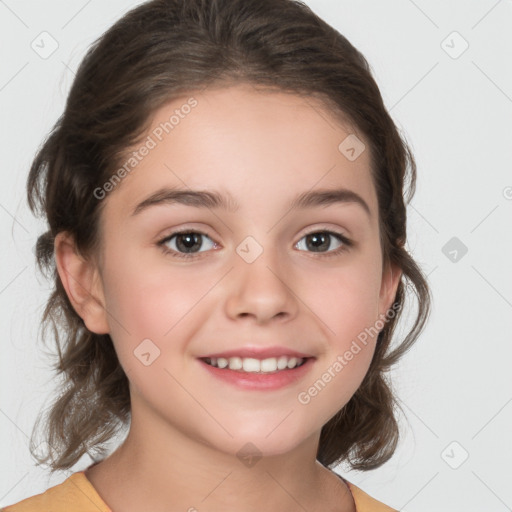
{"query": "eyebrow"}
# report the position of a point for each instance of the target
(216, 200)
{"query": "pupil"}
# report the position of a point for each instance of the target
(319, 237)
(189, 240)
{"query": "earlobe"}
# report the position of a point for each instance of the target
(82, 282)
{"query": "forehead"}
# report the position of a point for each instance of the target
(253, 144)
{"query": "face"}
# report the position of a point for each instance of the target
(252, 274)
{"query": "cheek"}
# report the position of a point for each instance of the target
(149, 302)
(348, 314)
(347, 301)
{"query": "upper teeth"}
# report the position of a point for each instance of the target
(249, 364)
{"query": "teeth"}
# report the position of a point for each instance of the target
(292, 362)
(221, 362)
(251, 365)
(282, 363)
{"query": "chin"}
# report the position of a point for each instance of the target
(259, 440)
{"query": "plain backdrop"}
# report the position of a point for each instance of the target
(444, 70)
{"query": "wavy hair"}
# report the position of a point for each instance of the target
(156, 52)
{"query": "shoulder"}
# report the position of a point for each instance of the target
(365, 503)
(75, 493)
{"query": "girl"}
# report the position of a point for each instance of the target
(227, 227)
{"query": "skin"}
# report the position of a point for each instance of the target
(264, 148)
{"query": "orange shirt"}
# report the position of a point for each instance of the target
(77, 494)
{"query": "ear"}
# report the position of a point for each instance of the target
(391, 276)
(82, 281)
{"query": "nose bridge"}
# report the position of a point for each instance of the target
(261, 288)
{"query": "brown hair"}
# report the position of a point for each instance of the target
(160, 50)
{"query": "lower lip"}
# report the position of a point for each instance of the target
(260, 381)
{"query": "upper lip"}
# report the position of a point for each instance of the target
(258, 353)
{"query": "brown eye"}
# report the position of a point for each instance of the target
(321, 242)
(184, 244)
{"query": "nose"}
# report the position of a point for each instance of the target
(261, 290)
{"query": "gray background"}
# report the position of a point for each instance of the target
(454, 107)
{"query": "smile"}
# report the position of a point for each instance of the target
(252, 365)
(248, 373)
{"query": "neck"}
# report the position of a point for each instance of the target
(160, 469)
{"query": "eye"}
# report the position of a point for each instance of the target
(319, 240)
(187, 244)
(187, 241)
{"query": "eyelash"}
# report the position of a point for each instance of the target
(346, 244)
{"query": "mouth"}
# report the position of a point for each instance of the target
(253, 365)
(250, 373)
(258, 368)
